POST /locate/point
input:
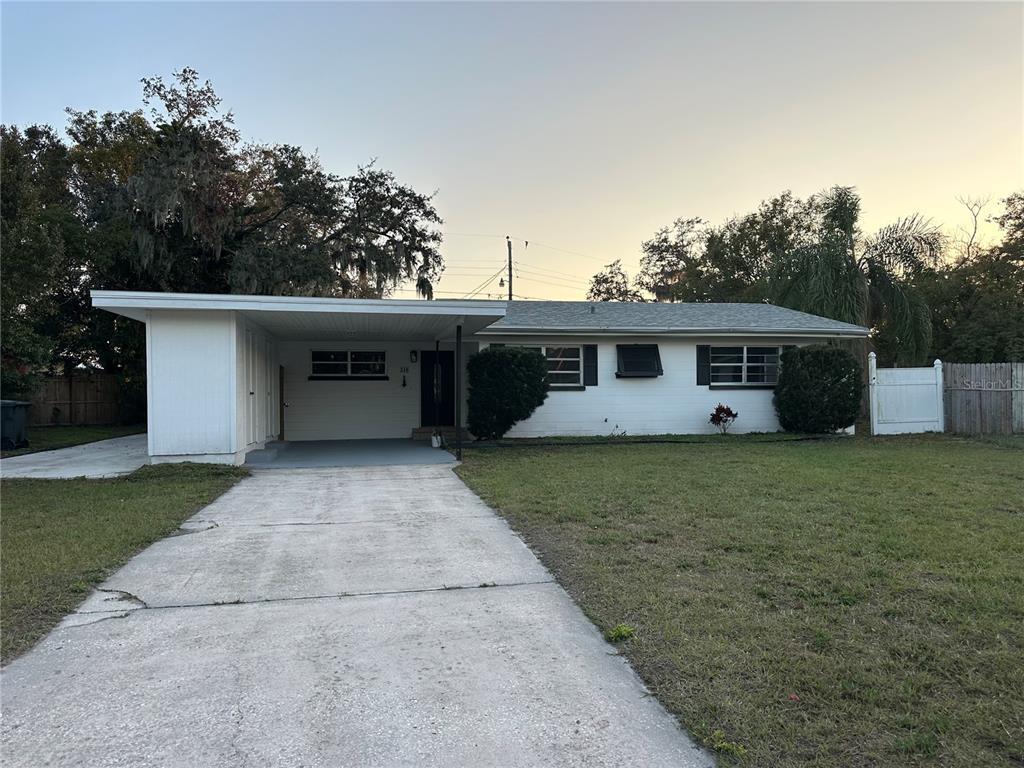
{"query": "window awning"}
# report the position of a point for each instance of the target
(313, 318)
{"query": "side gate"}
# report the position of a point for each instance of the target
(905, 400)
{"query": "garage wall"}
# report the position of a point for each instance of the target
(190, 375)
(671, 403)
(354, 410)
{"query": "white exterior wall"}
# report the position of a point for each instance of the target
(203, 366)
(256, 365)
(190, 379)
(199, 384)
(667, 404)
(355, 410)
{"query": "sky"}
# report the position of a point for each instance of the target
(581, 128)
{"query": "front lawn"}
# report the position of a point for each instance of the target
(846, 602)
(50, 438)
(60, 537)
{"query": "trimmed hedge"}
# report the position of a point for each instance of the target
(819, 389)
(506, 385)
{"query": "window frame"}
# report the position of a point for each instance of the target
(578, 385)
(379, 368)
(573, 386)
(652, 373)
(744, 366)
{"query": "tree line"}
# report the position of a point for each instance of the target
(168, 197)
(922, 294)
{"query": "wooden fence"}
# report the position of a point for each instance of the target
(90, 399)
(984, 398)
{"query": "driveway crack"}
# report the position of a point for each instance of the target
(487, 585)
(123, 596)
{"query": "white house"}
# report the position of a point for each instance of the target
(226, 373)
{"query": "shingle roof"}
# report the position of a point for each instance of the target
(613, 316)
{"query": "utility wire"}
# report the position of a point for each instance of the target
(564, 250)
(470, 234)
(573, 281)
(532, 242)
(485, 283)
(552, 272)
(532, 279)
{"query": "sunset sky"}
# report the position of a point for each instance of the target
(582, 128)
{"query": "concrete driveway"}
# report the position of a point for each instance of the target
(104, 458)
(379, 616)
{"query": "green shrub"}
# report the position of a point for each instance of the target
(506, 385)
(719, 743)
(620, 633)
(819, 389)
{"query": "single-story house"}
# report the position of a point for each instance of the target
(228, 373)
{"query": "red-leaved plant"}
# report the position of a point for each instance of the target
(722, 417)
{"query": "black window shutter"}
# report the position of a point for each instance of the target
(703, 364)
(590, 365)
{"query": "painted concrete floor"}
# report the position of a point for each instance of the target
(347, 453)
(104, 458)
(379, 616)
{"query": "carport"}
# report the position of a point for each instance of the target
(228, 375)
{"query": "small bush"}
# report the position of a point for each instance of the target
(719, 743)
(819, 389)
(722, 417)
(619, 633)
(506, 385)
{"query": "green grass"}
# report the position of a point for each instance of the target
(50, 438)
(852, 602)
(60, 537)
(618, 439)
(1004, 441)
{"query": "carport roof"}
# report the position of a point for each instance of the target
(312, 318)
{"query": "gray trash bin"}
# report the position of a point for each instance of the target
(13, 424)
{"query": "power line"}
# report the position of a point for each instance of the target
(463, 294)
(484, 284)
(468, 234)
(477, 275)
(553, 272)
(564, 250)
(565, 280)
(533, 242)
(532, 279)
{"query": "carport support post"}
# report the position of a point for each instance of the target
(458, 391)
(436, 373)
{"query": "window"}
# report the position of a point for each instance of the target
(565, 365)
(352, 364)
(745, 365)
(638, 361)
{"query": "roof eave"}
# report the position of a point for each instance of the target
(853, 332)
(131, 302)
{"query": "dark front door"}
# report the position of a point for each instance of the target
(437, 382)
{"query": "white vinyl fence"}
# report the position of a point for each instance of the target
(905, 399)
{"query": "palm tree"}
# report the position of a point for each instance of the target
(862, 280)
